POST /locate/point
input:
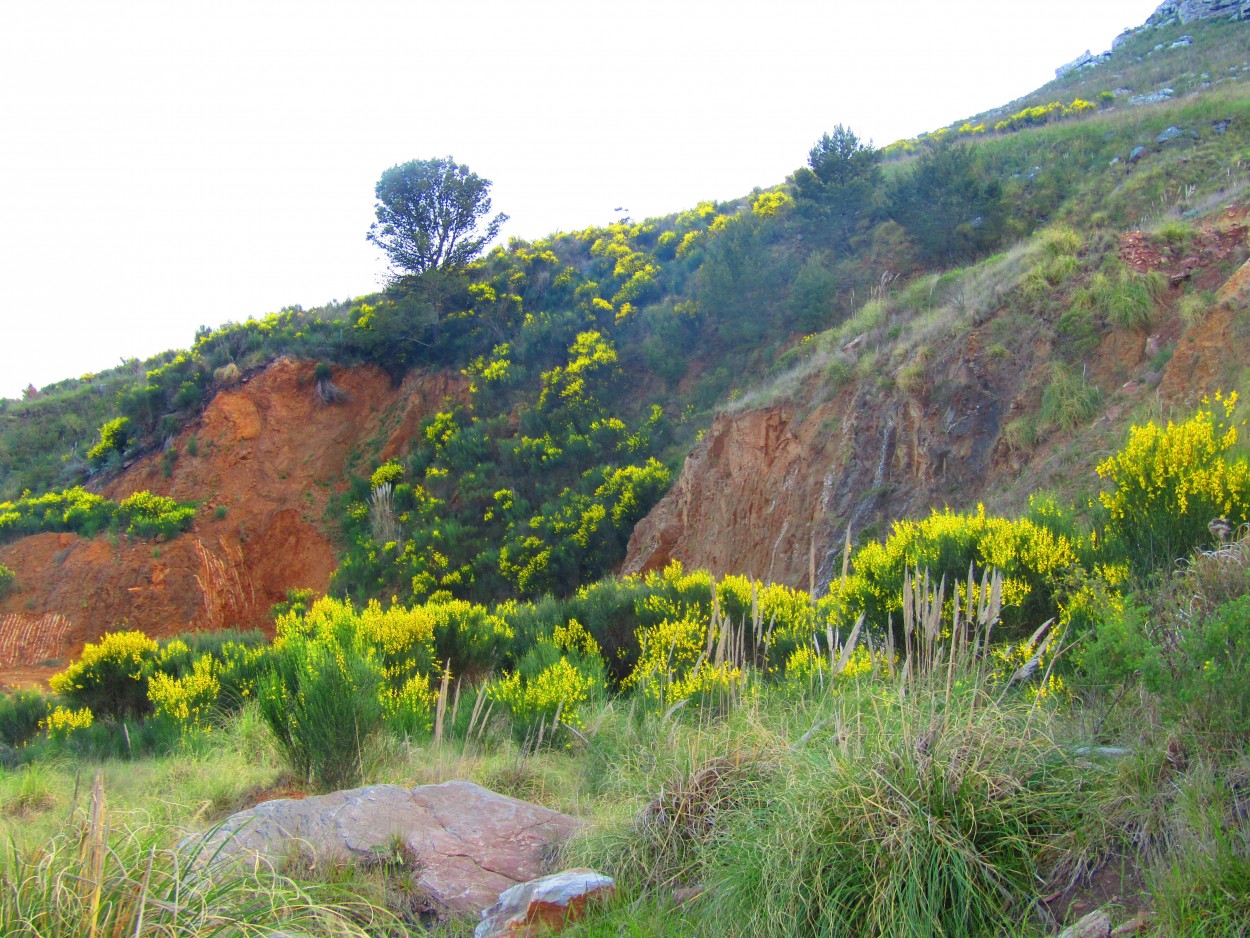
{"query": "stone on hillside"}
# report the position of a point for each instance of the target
(1170, 134)
(1163, 94)
(1095, 925)
(544, 905)
(469, 843)
(1137, 154)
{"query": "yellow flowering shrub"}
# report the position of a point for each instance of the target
(769, 204)
(62, 722)
(1032, 558)
(110, 677)
(1168, 483)
(187, 700)
(530, 700)
(409, 708)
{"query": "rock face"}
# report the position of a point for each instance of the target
(470, 844)
(770, 493)
(1189, 10)
(544, 905)
(262, 460)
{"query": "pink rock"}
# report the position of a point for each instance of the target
(469, 843)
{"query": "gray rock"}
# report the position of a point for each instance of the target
(1170, 134)
(1182, 42)
(1220, 127)
(468, 843)
(1123, 38)
(1137, 154)
(544, 905)
(1163, 94)
(1189, 10)
(1082, 61)
(1116, 162)
(1095, 925)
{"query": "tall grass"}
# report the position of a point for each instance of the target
(93, 880)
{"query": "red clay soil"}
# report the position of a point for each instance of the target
(267, 456)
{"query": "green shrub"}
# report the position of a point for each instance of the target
(322, 700)
(114, 436)
(146, 515)
(7, 579)
(20, 715)
(1205, 670)
(916, 826)
(1126, 300)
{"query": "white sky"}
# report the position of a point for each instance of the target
(165, 165)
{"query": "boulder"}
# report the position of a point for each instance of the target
(1170, 134)
(468, 843)
(1136, 154)
(544, 905)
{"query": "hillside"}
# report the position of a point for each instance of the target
(847, 370)
(868, 555)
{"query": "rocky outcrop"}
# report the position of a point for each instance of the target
(770, 493)
(467, 844)
(1189, 10)
(1085, 60)
(545, 905)
(262, 461)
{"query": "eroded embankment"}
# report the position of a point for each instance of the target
(262, 461)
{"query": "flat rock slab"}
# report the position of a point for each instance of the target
(470, 843)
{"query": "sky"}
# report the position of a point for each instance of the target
(167, 165)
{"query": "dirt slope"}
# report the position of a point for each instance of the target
(262, 460)
(771, 492)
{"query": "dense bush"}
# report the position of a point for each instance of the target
(1169, 483)
(111, 676)
(75, 509)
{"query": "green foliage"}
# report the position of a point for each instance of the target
(950, 205)
(21, 712)
(75, 509)
(1068, 401)
(322, 700)
(114, 435)
(916, 828)
(1124, 299)
(432, 214)
(835, 193)
(146, 515)
(7, 579)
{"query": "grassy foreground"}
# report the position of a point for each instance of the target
(929, 794)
